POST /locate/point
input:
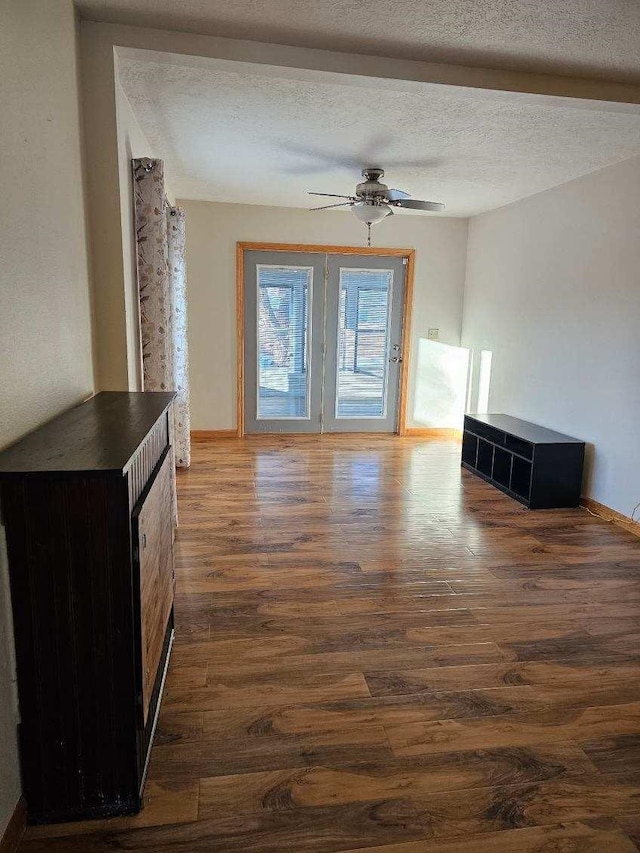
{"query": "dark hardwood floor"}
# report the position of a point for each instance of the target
(378, 652)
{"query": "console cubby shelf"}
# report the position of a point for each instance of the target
(539, 467)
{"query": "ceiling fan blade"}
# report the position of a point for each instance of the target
(414, 204)
(331, 195)
(397, 195)
(327, 206)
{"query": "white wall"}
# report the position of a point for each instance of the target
(212, 233)
(113, 137)
(131, 143)
(553, 291)
(45, 314)
(99, 98)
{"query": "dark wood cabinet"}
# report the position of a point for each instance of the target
(537, 466)
(88, 505)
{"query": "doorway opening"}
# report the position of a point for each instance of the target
(322, 338)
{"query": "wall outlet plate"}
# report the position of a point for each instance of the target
(433, 334)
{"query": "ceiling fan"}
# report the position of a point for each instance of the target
(373, 200)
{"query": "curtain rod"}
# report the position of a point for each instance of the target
(147, 164)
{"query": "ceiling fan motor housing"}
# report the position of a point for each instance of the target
(372, 190)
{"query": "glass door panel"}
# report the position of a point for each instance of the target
(284, 328)
(363, 327)
(363, 342)
(284, 298)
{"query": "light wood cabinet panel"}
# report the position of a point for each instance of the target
(153, 530)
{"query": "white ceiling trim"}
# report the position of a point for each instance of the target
(405, 76)
(379, 67)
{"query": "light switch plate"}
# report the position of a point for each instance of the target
(433, 334)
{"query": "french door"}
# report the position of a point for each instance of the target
(322, 342)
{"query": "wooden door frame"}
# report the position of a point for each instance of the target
(409, 254)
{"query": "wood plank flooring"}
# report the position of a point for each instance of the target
(377, 652)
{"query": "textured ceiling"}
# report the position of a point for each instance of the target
(595, 38)
(258, 138)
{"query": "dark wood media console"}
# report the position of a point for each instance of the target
(538, 467)
(87, 502)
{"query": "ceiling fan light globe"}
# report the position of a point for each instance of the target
(370, 213)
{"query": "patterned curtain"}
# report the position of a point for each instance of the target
(162, 291)
(178, 280)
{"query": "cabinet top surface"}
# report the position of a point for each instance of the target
(523, 429)
(101, 434)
